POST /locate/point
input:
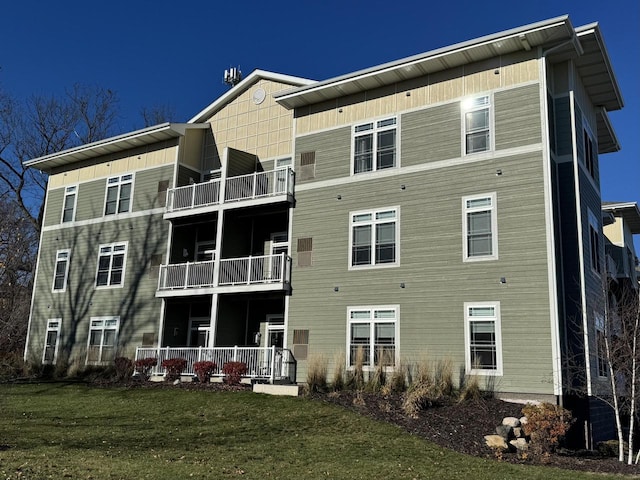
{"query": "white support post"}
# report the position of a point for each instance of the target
(273, 364)
(235, 353)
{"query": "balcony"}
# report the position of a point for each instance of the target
(270, 364)
(256, 188)
(254, 273)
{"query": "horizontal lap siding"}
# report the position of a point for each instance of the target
(91, 198)
(145, 191)
(135, 302)
(333, 153)
(517, 117)
(53, 209)
(437, 281)
(430, 135)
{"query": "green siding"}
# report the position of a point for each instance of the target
(437, 281)
(53, 208)
(333, 153)
(145, 190)
(430, 135)
(240, 163)
(91, 197)
(517, 117)
(186, 176)
(564, 140)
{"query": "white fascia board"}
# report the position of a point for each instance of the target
(240, 87)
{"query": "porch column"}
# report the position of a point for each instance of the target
(214, 321)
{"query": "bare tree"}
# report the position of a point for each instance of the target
(42, 126)
(157, 114)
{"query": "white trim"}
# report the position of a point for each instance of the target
(371, 320)
(102, 328)
(496, 318)
(66, 270)
(464, 109)
(552, 277)
(111, 254)
(64, 202)
(57, 328)
(493, 209)
(373, 131)
(108, 218)
(423, 167)
(373, 222)
(119, 183)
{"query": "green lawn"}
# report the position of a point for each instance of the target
(73, 431)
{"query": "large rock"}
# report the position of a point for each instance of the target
(523, 420)
(511, 421)
(504, 431)
(517, 432)
(496, 441)
(520, 444)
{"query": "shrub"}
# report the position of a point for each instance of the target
(233, 372)
(355, 377)
(443, 378)
(338, 374)
(317, 374)
(419, 398)
(470, 388)
(124, 368)
(144, 366)
(204, 370)
(396, 383)
(546, 425)
(174, 368)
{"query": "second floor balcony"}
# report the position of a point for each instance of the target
(253, 273)
(254, 188)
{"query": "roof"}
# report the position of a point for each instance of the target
(146, 136)
(628, 211)
(243, 85)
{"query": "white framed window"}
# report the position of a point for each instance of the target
(372, 333)
(479, 227)
(476, 124)
(601, 347)
(119, 193)
(111, 265)
(51, 341)
(102, 341)
(61, 271)
(373, 238)
(483, 338)
(69, 204)
(375, 145)
(594, 243)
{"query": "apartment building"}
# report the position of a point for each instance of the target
(443, 205)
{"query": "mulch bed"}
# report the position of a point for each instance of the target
(462, 427)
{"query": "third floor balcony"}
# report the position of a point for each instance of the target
(258, 188)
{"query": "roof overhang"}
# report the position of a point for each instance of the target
(545, 33)
(629, 213)
(243, 85)
(607, 138)
(119, 143)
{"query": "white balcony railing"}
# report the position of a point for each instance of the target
(253, 186)
(194, 195)
(263, 269)
(266, 363)
(259, 185)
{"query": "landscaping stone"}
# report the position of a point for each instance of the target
(496, 441)
(520, 444)
(504, 431)
(511, 422)
(517, 432)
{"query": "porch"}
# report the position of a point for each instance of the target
(266, 364)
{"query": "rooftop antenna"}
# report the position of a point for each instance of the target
(232, 76)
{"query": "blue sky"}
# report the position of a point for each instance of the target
(172, 53)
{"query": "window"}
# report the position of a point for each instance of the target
(589, 155)
(601, 346)
(483, 341)
(118, 194)
(51, 340)
(61, 271)
(375, 139)
(372, 335)
(69, 204)
(477, 124)
(111, 262)
(480, 228)
(594, 242)
(103, 335)
(374, 238)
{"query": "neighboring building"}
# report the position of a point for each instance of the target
(446, 204)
